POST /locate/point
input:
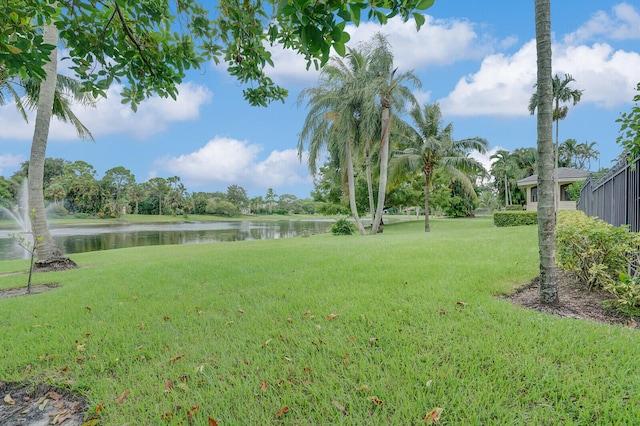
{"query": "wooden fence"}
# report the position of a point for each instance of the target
(615, 197)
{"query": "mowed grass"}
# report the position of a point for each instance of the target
(243, 330)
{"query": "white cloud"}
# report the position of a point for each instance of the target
(11, 161)
(439, 42)
(622, 24)
(485, 159)
(502, 86)
(504, 83)
(226, 161)
(110, 116)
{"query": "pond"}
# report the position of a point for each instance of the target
(80, 239)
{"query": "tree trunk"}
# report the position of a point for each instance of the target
(49, 255)
(384, 163)
(546, 155)
(352, 191)
(427, 228)
(367, 159)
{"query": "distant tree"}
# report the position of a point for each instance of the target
(270, 199)
(287, 203)
(117, 179)
(135, 194)
(158, 187)
(237, 195)
(56, 192)
(432, 147)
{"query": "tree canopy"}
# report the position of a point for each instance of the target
(148, 46)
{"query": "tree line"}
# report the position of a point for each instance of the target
(73, 188)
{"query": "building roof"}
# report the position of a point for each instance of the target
(565, 174)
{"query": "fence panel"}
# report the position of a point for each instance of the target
(615, 197)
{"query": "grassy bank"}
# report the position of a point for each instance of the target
(383, 328)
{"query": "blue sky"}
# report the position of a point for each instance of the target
(477, 59)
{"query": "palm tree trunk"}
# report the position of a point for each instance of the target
(49, 255)
(352, 190)
(367, 159)
(384, 163)
(546, 155)
(427, 227)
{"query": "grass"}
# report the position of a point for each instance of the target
(241, 330)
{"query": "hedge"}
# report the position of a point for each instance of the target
(515, 218)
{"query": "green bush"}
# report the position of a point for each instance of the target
(514, 208)
(57, 211)
(343, 227)
(81, 215)
(513, 218)
(593, 250)
(627, 294)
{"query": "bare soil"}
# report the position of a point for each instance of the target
(575, 302)
(39, 405)
(22, 291)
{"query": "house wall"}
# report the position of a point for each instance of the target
(562, 205)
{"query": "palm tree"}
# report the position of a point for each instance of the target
(562, 93)
(567, 153)
(546, 157)
(431, 147)
(393, 94)
(339, 117)
(51, 97)
(503, 168)
(586, 153)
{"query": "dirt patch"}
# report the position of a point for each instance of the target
(22, 291)
(39, 405)
(575, 302)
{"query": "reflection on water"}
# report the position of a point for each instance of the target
(84, 239)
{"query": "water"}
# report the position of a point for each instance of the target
(20, 212)
(80, 239)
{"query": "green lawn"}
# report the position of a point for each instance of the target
(244, 329)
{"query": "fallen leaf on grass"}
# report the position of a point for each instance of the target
(433, 416)
(167, 417)
(240, 311)
(463, 304)
(373, 340)
(442, 311)
(332, 316)
(168, 386)
(176, 358)
(61, 418)
(308, 314)
(99, 408)
(8, 399)
(122, 396)
(376, 400)
(91, 422)
(53, 395)
(284, 410)
(183, 386)
(192, 411)
(80, 348)
(212, 422)
(43, 404)
(265, 344)
(264, 386)
(341, 408)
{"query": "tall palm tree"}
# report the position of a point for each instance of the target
(394, 95)
(56, 93)
(339, 118)
(562, 93)
(503, 169)
(546, 157)
(431, 147)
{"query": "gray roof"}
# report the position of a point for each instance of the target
(565, 174)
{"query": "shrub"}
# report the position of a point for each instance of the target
(343, 227)
(627, 294)
(514, 208)
(513, 218)
(81, 215)
(593, 250)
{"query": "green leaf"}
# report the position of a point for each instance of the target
(339, 48)
(419, 17)
(424, 4)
